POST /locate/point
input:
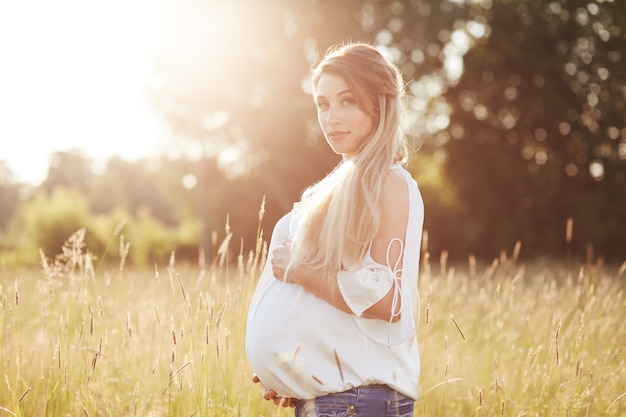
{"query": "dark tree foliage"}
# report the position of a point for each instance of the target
(541, 129)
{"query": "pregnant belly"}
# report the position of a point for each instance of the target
(289, 338)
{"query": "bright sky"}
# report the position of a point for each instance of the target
(74, 74)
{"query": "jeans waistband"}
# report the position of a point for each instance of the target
(373, 387)
(377, 400)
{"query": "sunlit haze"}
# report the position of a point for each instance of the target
(74, 74)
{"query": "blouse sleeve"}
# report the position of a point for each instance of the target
(366, 286)
(363, 288)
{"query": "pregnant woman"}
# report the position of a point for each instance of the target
(331, 327)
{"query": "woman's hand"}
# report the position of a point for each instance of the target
(270, 394)
(280, 259)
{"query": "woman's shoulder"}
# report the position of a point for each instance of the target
(394, 192)
(397, 181)
(399, 185)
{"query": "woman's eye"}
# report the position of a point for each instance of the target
(322, 106)
(347, 101)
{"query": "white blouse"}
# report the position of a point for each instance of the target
(302, 347)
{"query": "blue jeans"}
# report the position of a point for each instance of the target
(365, 401)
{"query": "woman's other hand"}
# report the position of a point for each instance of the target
(270, 394)
(280, 259)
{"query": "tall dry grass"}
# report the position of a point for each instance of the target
(510, 339)
(124, 342)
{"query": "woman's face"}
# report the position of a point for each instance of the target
(344, 123)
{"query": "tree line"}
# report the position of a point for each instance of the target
(515, 111)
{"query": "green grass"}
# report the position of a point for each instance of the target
(544, 339)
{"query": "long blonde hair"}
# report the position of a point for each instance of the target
(342, 211)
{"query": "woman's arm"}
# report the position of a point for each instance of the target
(308, 278)
(394, 217)
(394, 205)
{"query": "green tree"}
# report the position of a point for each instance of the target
(45, 222)
(69, 169)
(137, 185)
(9, 194)
(537, 128)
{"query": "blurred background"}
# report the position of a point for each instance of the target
(167, 123)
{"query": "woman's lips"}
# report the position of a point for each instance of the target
(336, 136)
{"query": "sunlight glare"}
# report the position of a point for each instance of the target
(596, 169)
(74, 75)
(189, 181)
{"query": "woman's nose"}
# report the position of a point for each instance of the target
(332, 116)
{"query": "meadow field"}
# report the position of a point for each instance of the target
(497, 338)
